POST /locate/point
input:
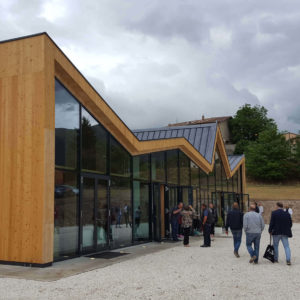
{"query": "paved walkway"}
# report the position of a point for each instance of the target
(175, 273)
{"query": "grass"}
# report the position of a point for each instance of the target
(273, 191)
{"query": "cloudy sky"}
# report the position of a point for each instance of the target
(162, 61)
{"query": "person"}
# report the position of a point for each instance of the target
(187, 222)
(256, 207)
(126, 214)
(214, 214)
(234, 221)
(260, 208)
(289, 209)
(254, 225)
(137, 217)
(206, 219)
(119, 216)
(175, 213)
(280, 229)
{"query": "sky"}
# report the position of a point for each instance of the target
(163, 61)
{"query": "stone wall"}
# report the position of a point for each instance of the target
(270, 205)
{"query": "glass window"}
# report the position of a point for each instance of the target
(141, 211)
(65, 214)
(184, 166)
(66, 128)
(120, 159)
(172, 166)
(224, 178)
(141, 167)
(120, 205)
(212, 184)
(218, 173)
(195, 175)
(94, 144)
(158, 166)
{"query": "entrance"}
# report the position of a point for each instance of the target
(94, 214)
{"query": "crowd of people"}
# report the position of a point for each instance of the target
(251, 222)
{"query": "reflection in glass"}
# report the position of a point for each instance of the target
(156, 213)
(195, 175)
(65, 214)
(101, 211)
(141, 211)
(120, 201)
(158, 166)
(141, 167)
(172, 166)
(184, 167)
(120, 159)
(218, 173)
(94, 144)
(66, 128)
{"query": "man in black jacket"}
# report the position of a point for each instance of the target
(280, 228)
(235, 222)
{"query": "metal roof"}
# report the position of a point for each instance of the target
(234, 160)
(201, 137)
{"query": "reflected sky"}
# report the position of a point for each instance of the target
(66, 108)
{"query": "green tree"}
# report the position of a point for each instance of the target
(246, 125)
(267, 158)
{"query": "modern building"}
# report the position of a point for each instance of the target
(74, 179)
(223, 123)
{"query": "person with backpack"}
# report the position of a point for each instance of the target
(214, 214)
(187, 222)
(207, 220)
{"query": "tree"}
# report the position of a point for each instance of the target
(247, 123)
(267, 158)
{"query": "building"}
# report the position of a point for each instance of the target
(223, 123)
(74, 179)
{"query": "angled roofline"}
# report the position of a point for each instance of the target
(58, 65)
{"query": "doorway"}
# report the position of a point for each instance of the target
(94, 214)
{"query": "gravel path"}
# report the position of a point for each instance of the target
(176, 273)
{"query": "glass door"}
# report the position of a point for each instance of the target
(94, 215)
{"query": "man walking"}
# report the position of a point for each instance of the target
(174, 220)
(235, 222)
(280, 229)
(206, 219)
(253, 225)
(214, 214)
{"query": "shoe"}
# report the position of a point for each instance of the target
(252, 259)
(288, 262)
(204, 246)
(256, 262)
(236, 254)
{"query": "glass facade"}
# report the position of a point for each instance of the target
(105, 198)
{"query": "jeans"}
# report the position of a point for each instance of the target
(285, 242)
(253, 238)
(174, 225)
(206, 233)
(186, 232)
(237, 239)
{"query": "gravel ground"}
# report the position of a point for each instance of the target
(176, 273)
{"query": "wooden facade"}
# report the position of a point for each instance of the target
(28, 68)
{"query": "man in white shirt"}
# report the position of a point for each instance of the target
(261, 208)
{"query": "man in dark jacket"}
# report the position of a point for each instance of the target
(235, 222)
(207, 220)
(280, 229)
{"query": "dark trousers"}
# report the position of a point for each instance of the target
(186, 233)
(206, 234)
(174, 225)
(237, 239)
(212, 229)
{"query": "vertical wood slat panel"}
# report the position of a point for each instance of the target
(26, 139)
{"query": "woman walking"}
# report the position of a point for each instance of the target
(187, 222)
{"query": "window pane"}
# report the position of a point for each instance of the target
(172, 166)
(194, 174)
(141, 167)
(94, 144)
(66, 128)
(184, 165)
(120, 203)
(218, 173)
(120, 160)
(158, 166)
(141, 211)
(65, 214)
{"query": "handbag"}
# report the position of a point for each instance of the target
(269, 253)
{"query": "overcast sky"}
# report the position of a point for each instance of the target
(162, 61)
